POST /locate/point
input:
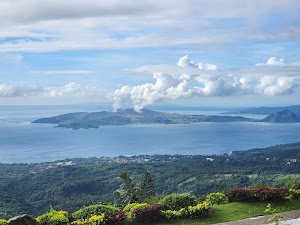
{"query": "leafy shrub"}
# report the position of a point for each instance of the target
(99, 209)
(53, 217)
(175, 215)
(149, 214)
(118, 219)
(130, 207)
(263, 194)
(93, 220)
(216, 198)
(154, 199)
(288, 182)
(178, 201)
(239, 195)
(3, 222)
(296, 186)
(59, 219)
(199, 211)
(295, 194)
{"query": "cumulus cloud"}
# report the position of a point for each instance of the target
(271, 62)
(208, 81)
(184, 61)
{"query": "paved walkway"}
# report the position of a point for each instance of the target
(289, 218)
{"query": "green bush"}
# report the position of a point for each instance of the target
(130, 207)
(178, 201)
(54, 217)
(199, 211)
(59, 219)
(175, 215)
(263, 194)
(3, 222)
(217, 198)
(93, 220)
(149, 214)
(295, 194)
(154, 199)
(99, 209)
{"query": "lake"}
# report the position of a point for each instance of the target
(21, 141)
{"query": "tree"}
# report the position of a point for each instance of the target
(147, 185)
(128, 191)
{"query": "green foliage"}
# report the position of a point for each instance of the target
(269, 209)
(149, 214)
(199, 211)
(236, 211)
(94, 179)
(91, 210)
(130, 207)
(217, 198)
(194, 212)
(275, 218)
(93, 220)
(264, 194)
(128, 191)
(3, 222)
(175, 215)
(288, 182)
(178, 201)
(54, 217)
(294, 194)
(154, 199)
(147, 186)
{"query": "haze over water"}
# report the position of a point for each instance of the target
(21, 141)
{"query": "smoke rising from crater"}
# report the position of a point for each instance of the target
(272, 78)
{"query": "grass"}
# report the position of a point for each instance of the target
(238, 211)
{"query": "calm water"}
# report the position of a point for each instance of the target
(21, 141)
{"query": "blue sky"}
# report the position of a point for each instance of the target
(139, 53)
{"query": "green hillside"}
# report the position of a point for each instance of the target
(72, 183)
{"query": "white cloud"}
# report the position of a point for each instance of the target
(268, 81)
(55, 25)
(17, 90)
(185, 62)
(272, 61)
(72, 90)
(166, 87)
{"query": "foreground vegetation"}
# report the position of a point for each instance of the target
(181, 209)
(71, 184)
(238, 211)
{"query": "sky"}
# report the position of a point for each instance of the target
(131, 53)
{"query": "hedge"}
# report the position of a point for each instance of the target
(263, 194)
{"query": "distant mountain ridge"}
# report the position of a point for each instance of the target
(268, 110)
